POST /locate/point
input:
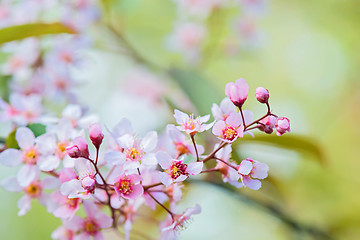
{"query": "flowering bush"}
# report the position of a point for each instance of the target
(120, 172)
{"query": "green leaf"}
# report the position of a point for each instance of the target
(200, 90)
(293, 142)
(4, 87)
(11, 141)
(32, 30)
(37, 128)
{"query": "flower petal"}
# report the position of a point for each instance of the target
(245, 167)
(149, 142)
(195, 168)
(25, 138)
(11, 157)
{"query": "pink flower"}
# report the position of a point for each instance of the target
(250, 171)
(180, 221)
(282, 125)
(67, 206)
(134, 151)
(96, 135)
(175, 169)
(237, 92)
(190, 125)
(34, 190)
(63, 232)
(181, 142)
(128, 186)
(82, 186)
(228, 174)
(224, 111)
(29, 154)
(262, 95)
(90, 227)
(230, 129)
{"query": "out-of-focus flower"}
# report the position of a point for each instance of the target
(282, 125)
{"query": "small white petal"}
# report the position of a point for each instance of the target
(25, 138)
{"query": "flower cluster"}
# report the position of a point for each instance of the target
(121, 172)
(40, 68)
(197, 20)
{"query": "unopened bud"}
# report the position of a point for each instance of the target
(282, 125)
(262, 95)
(96, 135)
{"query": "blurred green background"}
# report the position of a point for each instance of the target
(309, 61)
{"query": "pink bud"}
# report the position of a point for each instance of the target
(88, 183)
(282, 125)
(237, 92)
(73, 151)
(79, 148)
(268, 124)
(262, 95)
(96, 134)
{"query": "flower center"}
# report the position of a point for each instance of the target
(73, 202)
(33, 190)
(177, 168)
(124, 186)
(181, 149)
(61, 149)
(31, 156)
(190, 124)
(230, 133)
(91, 227)
(133, 154)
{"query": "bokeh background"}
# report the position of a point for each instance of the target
(306, 54)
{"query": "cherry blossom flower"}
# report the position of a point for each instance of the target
(250, 171)
(134, 151)
(175, 169)
(181, 142)
(228, 174)
(82, 186)
(128, 186)
(190, 125)
(34, 190)
(67, 206)
(223, 111)
(179, 222)
(237, 92)
(230, 129)
(90, 227)
(96, 135)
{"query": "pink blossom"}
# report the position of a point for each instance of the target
(230, 129)
(84, 185)
(250, 171)
(282, 125)
(134, 151)
(228, 174)
(224, 111)
(190, 125)
(96, 134)
(175, 169)
(128, 186)
(262, 95)
(237, 92)
(90, 227)
(181, 142)
(34, 190)
(67, 206)
(179, 223)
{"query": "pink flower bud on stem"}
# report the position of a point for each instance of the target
(78, 149)
(282, 125)
(262, 95)
(96, 135)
